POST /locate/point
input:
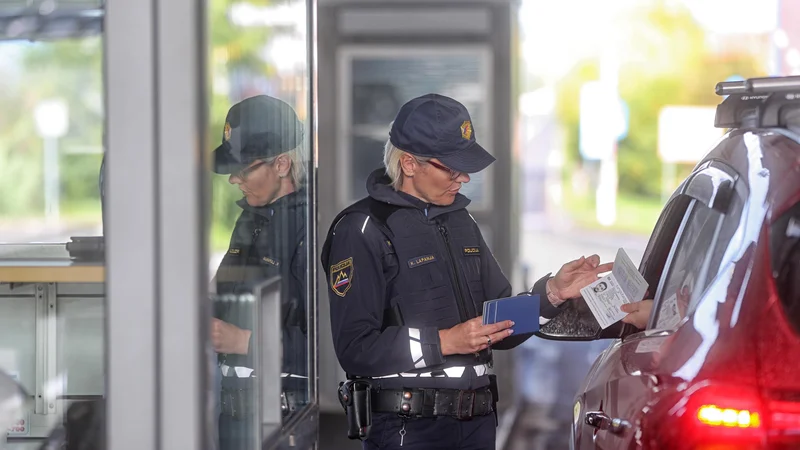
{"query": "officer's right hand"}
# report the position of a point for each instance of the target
(472, 336)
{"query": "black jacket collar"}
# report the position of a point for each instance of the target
(379, 188)
(294, 200)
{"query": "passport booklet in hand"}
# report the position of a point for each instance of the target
(523, 310)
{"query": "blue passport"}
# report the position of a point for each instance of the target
(523, 310)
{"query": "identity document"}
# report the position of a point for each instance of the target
(623, 285)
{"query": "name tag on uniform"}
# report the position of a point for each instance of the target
(234, 251)
(421, 260)
(269, 260)
(472, 251)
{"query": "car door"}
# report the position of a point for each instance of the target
(621, 384)
(608, 372)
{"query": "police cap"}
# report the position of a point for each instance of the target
(436, 126)
(256, 128)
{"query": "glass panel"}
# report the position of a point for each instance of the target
(18, 318)
(80, 337)
(52, 306)
(261, 138)
(686, 274)
(382, 81)
(727, 246)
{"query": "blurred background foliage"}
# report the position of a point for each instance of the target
(666, 58)
(72, 70)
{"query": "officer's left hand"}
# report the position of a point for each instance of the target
(228, 338)
(575, 275)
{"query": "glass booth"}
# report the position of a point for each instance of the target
(136, 297)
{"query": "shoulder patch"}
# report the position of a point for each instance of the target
(472, 251)
(341, 276)
(421, 260)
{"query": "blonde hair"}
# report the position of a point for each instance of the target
(298, 170)
(391, 161)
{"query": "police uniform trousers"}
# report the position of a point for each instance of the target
(434, 433)
(237, 425)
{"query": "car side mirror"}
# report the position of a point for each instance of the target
(576, 322)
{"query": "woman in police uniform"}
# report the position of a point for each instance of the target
(261, 141)
(408, 275)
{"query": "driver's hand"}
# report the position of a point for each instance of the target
(638, 313)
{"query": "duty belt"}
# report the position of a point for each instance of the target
(462, 405)
(246, 372)
(237, 396)
(238, 400)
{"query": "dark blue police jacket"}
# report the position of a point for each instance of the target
(268, 241)
(399, 270)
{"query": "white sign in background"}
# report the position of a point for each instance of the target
(686, 133)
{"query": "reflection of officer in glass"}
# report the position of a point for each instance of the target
(408, 272)
(601, 286)
(261, 141)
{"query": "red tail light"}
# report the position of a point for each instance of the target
(715, 416)
(784, 422)
(708, 416)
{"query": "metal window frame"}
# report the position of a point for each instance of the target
(348, 53)
(312, 295)
(301, 428)
(157, 193)
(46, 350)
(157, 318)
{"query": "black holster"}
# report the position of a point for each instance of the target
(495, 396)
(356, 399)
(236, 398)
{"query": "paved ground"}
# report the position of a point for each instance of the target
(549, 372)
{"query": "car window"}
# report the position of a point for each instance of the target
(785, 259)
(686, 278)
(725, 248)
(655, 256)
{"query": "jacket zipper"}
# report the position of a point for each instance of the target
(251, 248)
(256, 232)
(462, 306)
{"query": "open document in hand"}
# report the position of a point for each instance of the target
(523, 310)
(623, 285)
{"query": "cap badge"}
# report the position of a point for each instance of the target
(466, 130)
(227, 131)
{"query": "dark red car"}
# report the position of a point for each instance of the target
(718, 365)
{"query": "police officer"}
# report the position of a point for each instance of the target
(260, 149)
(408, 273)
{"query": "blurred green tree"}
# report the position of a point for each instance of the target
(72, 69)
(232, 50)
(667, 59)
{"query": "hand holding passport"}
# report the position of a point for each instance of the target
(523, 310)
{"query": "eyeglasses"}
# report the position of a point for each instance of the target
(244, 173)
(453, 173)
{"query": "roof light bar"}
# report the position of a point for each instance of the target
(765, 85)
